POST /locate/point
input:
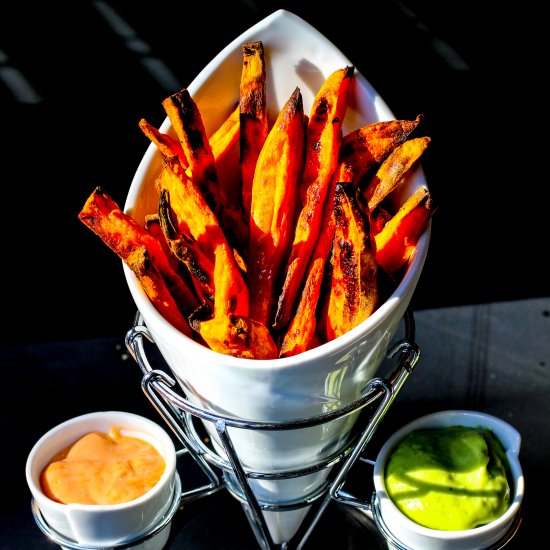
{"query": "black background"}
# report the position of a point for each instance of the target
(469, 67)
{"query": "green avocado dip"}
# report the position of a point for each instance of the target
(449, 478)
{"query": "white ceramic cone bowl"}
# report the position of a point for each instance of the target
(95, 525)
(303, 385)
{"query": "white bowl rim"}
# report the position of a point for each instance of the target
(118, 420)
(430, 420)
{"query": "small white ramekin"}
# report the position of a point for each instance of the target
(93, 525)
(405, 534)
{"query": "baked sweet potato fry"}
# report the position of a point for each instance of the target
(253, 115)
(301, 332)
(191, 228)
(192, 214)
(353, 294)
(220, 141)
(144, 254)
(226, 135)
(391, 172)
(233, 333)
(229, 328)
(167, 146)
(324, 136)
(153, 226)
(368, 146)
(273, 206)
(379, 217)
(230, 213)
(187, 250)
(397, 240)
(187, 122)
(154, 285)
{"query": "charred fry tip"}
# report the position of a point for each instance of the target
(165, 215)
(249, 48)
(182, 101)
(350, 69)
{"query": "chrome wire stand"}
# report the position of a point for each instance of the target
(147, 538)
(180, 415)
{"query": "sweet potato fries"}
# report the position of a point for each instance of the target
(291, 254)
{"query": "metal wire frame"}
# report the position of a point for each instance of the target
(180, 415)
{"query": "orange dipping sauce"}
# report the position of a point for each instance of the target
(102, 469)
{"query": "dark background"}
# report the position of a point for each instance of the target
(75, 78)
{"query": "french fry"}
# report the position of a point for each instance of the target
(238, 336)
(229, 331)
(368, 146)
(226, 135)
(379, 218)
(143, 254)
(193, 216)
(225, 331)
(273, 206)
(260, 342)
(153, 226)
(187, 250)
(324, 136)
(253, 115)
(230, 213)
(232, 217)
(192, 228)
(391, 172)
(167, 146)
(220, 141)
(353, 294)
(301, 331)
(187, 122)
(154, 285)
(397, 240)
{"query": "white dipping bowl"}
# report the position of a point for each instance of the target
(94, 525)
(405, 533)
(318, 380)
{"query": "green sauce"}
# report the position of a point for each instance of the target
(449, 478)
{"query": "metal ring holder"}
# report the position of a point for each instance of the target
(180, 415)
(154, 531)
(395, 544)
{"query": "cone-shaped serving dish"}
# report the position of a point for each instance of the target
(308, 385)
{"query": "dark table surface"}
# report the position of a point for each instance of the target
(75, 79)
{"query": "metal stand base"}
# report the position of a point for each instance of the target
(153, 539)
(377, 396)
